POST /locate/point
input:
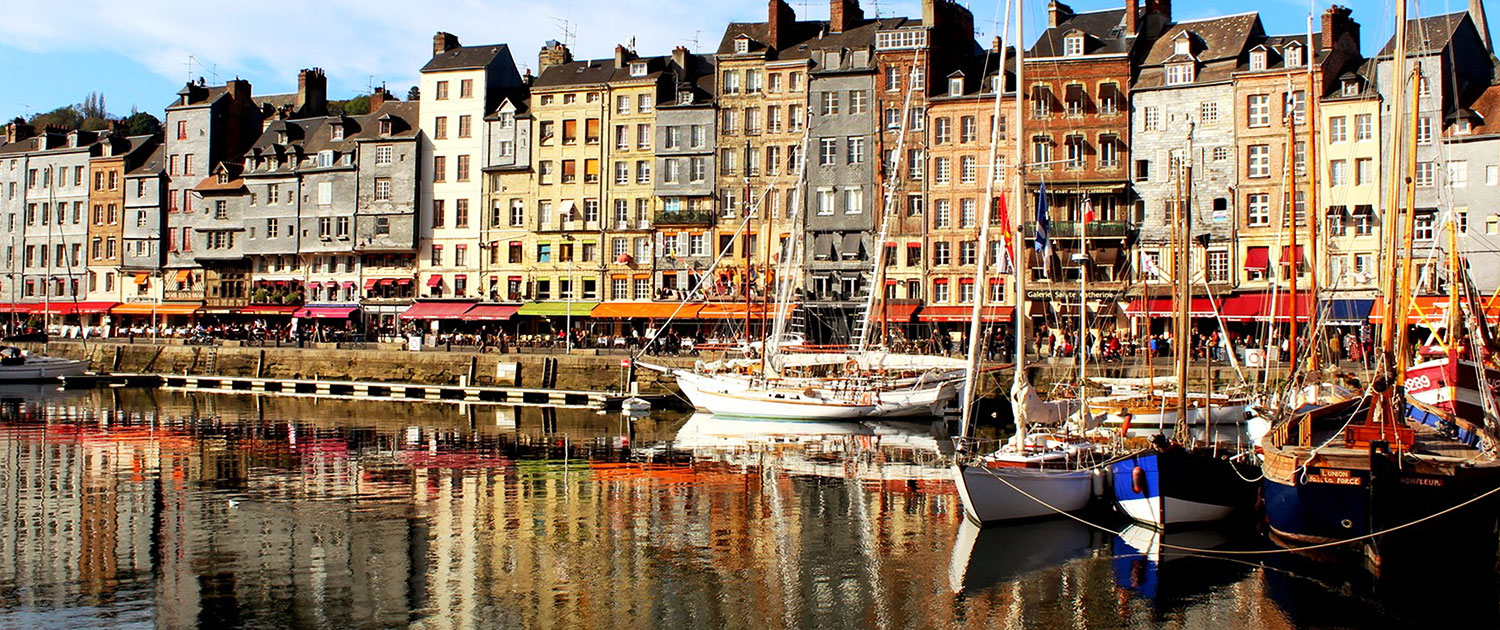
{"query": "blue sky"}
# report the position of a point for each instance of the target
(139, 57)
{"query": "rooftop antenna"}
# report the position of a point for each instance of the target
(189, 63)
(213, 71)
(569, 31)
(694, 40)
(370, 84)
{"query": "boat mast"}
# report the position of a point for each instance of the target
(877, 276)
(971, 376)
(1314, 212)
(1184, 281)
(1290, 211)
(792, 249)
(1395, 314)
(1408, 221)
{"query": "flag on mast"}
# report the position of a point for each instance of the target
(1088, 210)
(1043, 228)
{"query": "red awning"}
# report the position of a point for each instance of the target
(1166, 307)
(1256, 307)
(899, 311)
(965, 313)
(433, 281)
(325, 312)
(403, 281)
(267, 310)
(437, 310)
(491, 312)
(1257, 258)
(371, 282)
(1286, 254)
(71, 308)
(14, 308)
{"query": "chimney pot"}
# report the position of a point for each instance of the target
(443, 42)
(844, 15)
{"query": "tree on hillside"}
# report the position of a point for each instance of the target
(67, 117)
(141, 124)
(356, 106)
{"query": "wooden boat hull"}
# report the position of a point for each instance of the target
(993, 494)
(1332, 500)
(1452, 386)
(1223, 423)
(1180, 487)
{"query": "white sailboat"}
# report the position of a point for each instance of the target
(1035, 474)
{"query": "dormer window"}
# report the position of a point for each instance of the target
(1257, 60)
(1351, 87)
(1179, 74)
(995, 83)
(223, 177)
(385, 127)
(1464, 126)
(281, 137)
(325, 159)
(741, 45)
(685, 97)
(1293, 56)
(338, 132)
(638, 69)
(955, 86)
(1073, 46)
(1183, 46)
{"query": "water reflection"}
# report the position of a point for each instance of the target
(128, 507)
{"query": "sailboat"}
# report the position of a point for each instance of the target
(1037, 473)
(1361, 472)
(864, 383)
(1175, 482)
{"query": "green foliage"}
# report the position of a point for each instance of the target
(356, 106)
(68, 117)
(142, 124)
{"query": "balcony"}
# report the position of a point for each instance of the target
(685, 217)
(1096, 229)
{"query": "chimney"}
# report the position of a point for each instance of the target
(1057, 13)
(680, 59)
(1132, 14)
(779, 23)
(621, 56)
(312, 93)
(554, 53)
(238, 89)
(1160, 8)
(379, 98)
(1336, 26)
(844, 15)
(443, 42)
(17, 130)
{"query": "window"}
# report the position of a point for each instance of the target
(1426, 173)
(968, 129)
(1363, 171)
(942, 253)
(914, 203)
(1073, 46)
(644, 103)
(943, 170)
(941, 214)
(827, 151)
(1041, 102)
(1492, 225)
(1425, 225)
(830, 102)
(1337, 172)
(182, 130)
(465, 126)
(1109, 151)
(826, 201)
(1338, 129)
(856, 148)
(1218, 266)
(1364, 128)
(966, 213)
(442, 91)
(643, 136)
(461, 213)
(731, 82)
(916, 165)
(859, 101)
(1259, 164)
(968, 169)
(955, 86)
(1257, 60)
(1458, 173)
(1075, 147)
(221, 206)
(462, 173)
(1151, 117)
(1179, 74)
(940, 287)
(440, 128)
(854, 201)
(1258, 110)
(383, 155)
(1293, 56)
(1041, 151)
(439, 213)
(439, 174)
(1258, 210)
(1491, 175)
(341, 227)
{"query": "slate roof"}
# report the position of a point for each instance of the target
(1105, 30)
(595, 72)
(202, 95)
(154, 164)
(465, 58)
(1487, 110)
(805, 37)
(1427, 35)
(1217, 39)
(310, 136)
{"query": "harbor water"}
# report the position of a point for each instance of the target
(126, 508)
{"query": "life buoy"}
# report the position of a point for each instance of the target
(1138, 480)
(851, 366)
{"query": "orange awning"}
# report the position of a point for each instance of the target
(737, 311)
(142, 278)
(182, 275)
(158, 309)
(646, 310)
